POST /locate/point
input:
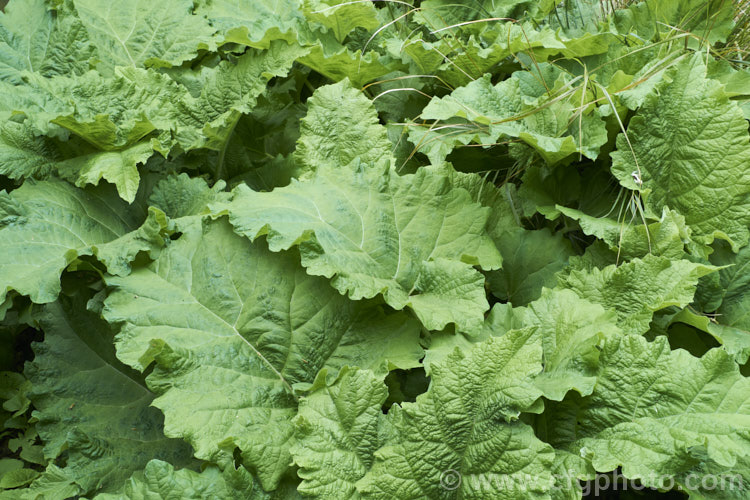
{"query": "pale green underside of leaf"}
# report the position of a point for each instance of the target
(94, 406)
(257, 325)
(37, 157)
(441, 13)
(338, 62)
(122, 119)
(183, 196)
(687, 168)
(47, 225)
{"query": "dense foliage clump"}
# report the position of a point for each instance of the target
(490, 249)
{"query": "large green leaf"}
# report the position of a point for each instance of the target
(160, 480)
(569, 328)
(341, 125)
(637, 289)
(687, 140)
(339, 428)
(122, 119)
(227, 92)
(411, 238)
(35, 38)
(255, 23)
(256, 325)
(496, 111)
(341, 16)
(530, 261)
(110, 113)
(630, 238)
(31, 156)
(643, 416)
(460, 436)
(371, 230)
(90, 404)
(44, 226)
(141, 33)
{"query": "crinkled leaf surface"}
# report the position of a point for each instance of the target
(91, 404)
(499, 110)
(244, 325)
(24, 154)
(464, 425)
(341, 16)
(159, 480)
(33, 37)
(339, 428)
(569, 328)
(688, 139)
(253, 22)
(120, 118)
(341, 125)
(656, 412)
(142, 33)
(47, 225)
(724, 296)
(411, 238)
(226, 92)
(637, 289)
